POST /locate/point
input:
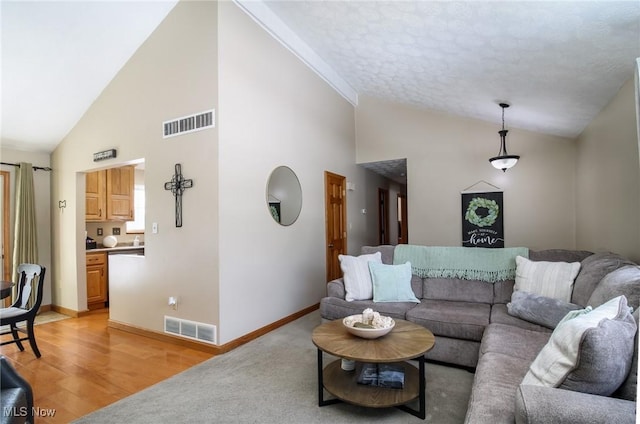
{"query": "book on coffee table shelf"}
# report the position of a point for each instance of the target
(382, 375)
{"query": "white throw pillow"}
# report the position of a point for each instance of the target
(590, 352)
(550, 279)
(356, 275)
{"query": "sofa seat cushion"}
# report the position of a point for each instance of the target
(513, 341)
(500, 315)
(460, 320)
(536, 404)
(494, 388)
(333, 308)
(458, 290)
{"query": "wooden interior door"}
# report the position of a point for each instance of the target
(335, 222)
(383, 216)
(403, 220)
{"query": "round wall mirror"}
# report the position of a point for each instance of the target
(284, 195)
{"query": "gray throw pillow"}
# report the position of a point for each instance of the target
(623, 281)
(606, 356)
(591, 353)
(538, 309)
(629, 387)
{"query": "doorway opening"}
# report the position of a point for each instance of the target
(392, 223)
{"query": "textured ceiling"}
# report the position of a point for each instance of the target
(557, 63)
(395, 170)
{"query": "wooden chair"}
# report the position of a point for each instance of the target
(23, 310)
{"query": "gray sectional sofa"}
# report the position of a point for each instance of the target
(475, 328)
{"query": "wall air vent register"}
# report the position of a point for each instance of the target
(190, 329)
(188, 124)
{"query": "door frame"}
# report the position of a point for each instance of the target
(403, 219)
(383, 216)
(343, 224)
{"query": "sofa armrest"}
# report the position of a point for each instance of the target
(537, 404)
(335, 288)
(17, 395)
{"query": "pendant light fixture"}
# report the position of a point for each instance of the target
(504, 160)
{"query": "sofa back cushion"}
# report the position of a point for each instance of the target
(455, 289)
(559, 255)
(592, 271)
(623, 281)
(385, 250)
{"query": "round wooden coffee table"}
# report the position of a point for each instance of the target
(406, 341)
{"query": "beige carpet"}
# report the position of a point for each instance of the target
(273, 379)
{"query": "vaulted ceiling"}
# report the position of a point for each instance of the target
(558, 63)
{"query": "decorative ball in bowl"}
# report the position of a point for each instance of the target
(357, 327)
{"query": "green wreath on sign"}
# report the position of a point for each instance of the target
(482, 221)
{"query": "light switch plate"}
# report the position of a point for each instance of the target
(116, 231)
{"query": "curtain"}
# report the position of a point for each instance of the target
(25, 245)
(637, 81)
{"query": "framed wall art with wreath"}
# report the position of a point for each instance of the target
(482, 219)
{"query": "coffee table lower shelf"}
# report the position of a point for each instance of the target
(344, 386)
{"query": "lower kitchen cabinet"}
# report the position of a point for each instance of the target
(97, 291)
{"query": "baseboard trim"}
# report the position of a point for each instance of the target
(64, 311)
(204, 347)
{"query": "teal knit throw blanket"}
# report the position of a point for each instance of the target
(467, 263)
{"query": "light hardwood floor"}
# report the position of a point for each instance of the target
(86, 366)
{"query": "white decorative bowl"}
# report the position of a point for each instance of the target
(109, 241)
(365, 333)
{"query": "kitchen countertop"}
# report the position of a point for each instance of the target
(122, 248)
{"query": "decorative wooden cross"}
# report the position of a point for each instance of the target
(177, 185)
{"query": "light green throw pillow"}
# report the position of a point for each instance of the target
(392, 283)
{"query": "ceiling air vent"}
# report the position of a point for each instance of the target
(189, 124)
(190, 329)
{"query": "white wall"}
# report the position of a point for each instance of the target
(173, 74)
(42, 187)
(275, 111)
(608, 183)
(447, 154)
(230, 255)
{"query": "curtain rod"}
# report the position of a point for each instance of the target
(44, 168)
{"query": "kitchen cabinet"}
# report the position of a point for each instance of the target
(109, 194)
(97, 283)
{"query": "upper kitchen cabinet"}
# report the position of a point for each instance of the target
(120, 193)
(109, 194)
(95, 195)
